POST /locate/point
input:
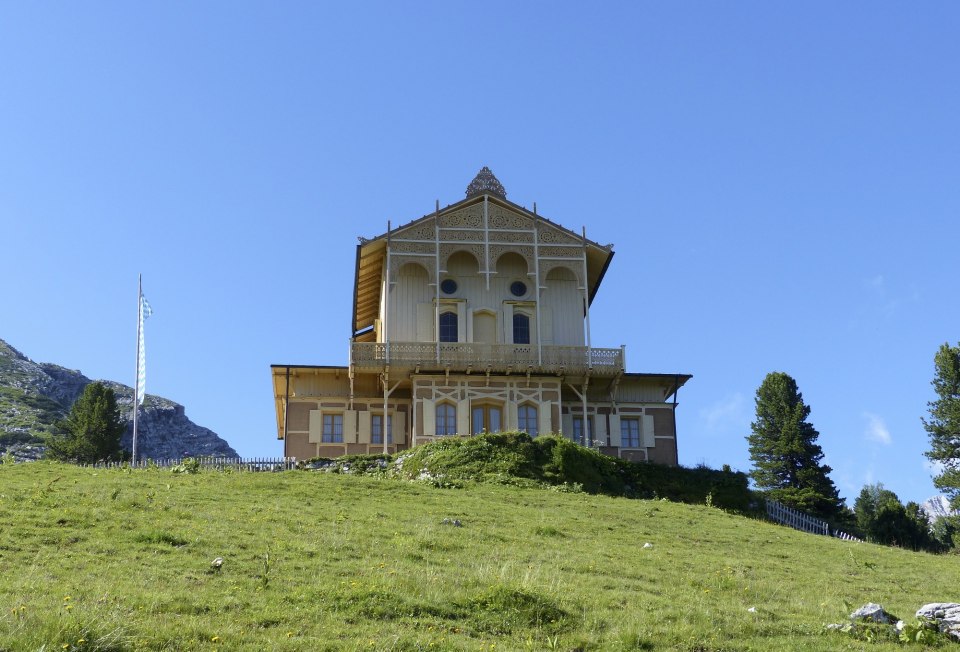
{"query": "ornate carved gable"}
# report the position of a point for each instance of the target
(486, 225)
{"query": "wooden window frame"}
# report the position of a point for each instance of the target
(578, 436)
(376, 428)
(525, 321)
(486, 406)
(443, 328)
(629, 439)
(523, 415)
(329, 435)
(440, 423)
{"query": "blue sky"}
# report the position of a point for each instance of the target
(779, 180)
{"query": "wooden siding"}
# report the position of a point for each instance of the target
(307, 384)
(562, 299)
(639, 391)
(411, 289)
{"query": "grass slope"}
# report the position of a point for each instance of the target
(120, 560)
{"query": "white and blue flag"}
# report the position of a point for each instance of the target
(145, 311)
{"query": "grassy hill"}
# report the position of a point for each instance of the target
(120, 560)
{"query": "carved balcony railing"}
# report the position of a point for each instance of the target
(497, 358)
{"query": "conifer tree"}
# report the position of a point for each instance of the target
(785, 453)
(882, 518)
(943, 426)
(92, 429)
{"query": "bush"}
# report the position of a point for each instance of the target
(566, 462)
(725, 489)
(555, 461)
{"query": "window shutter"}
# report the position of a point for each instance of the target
(429, 411)
(399, 427)
(426, 314)
(567, 421)
(615, 430)
(543, 419)
(648, 440)
(507, 323)
(546, 324)
(463, 417)
(600, 428)
(316, 427)
(461, 321)
(363, 427)
(350, 427)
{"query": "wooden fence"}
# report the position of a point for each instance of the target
(215, 463)
(804, 522)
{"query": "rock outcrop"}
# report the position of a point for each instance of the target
(932, 618)
(33, 396)
(938, 506)
(945, 616)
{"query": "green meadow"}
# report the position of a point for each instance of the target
(120, 559)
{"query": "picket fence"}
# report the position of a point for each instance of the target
(215, 463)
(804, 522)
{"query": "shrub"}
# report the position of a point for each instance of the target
(726, 489)
(559, 462)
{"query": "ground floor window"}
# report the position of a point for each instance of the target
(486, 418)
(630, 433)
(332, 429)
(376, 429)
(446, 419)
(578, 430)
(527, 419)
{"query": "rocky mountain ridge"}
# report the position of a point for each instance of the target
(34, 396)
(938, 506)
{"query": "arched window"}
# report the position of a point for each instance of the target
(486, 417)
(448, 327)
(446, 419)
(527, 420)
(521, 329)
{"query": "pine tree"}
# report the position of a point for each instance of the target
(92, 430)
(882, 518)
(943, 427)
(785, 453)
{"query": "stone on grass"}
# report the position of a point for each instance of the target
(873, 612)
(945, 616)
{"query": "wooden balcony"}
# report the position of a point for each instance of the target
(496, 358)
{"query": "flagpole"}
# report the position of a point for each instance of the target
(136, 378)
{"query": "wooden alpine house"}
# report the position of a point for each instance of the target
(476, 318)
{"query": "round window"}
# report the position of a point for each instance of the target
(448, 286)
(518, 288)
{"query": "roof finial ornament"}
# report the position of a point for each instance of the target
(485, 182)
